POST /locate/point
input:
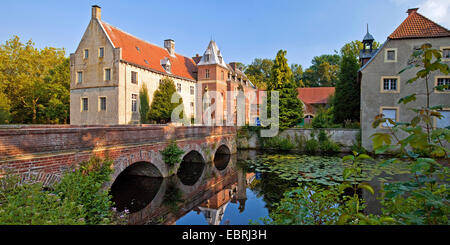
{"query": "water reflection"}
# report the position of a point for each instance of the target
(191, 168)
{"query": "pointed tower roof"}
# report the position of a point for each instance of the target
(212, 56)
(368, 36)
(418, 26)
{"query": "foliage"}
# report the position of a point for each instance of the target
(323, 118)
(312, 146)
(36, 82)
(144, 104)
(327, 145)
(5, 115)
(297, 73)
(162, 107)
(290, 107)
(172, 154)
(323, 71)
(259, 72)
(347, 96)
(278, 143)
(424, 199)
(354, 47)
(78, 198)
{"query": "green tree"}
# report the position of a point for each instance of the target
(35, 81)
(347, 95)
(297, 71)
(144, 106)
(259, 72)
(281, 80)
(354, 47)
(162, 107)
(323, 71)
(4, 109)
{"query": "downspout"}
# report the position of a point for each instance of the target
(125, 94)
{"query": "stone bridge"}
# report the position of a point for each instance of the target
(44, 152)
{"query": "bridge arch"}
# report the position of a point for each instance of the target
(191, 168)
(222, 157)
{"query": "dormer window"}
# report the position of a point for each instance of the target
(165, 63)
(220, 59)
(207, 58)
(137, 48)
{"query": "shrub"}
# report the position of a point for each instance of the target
(172, 154)
(77, 199)
(312, 146)
(278, 143)
(323, 118)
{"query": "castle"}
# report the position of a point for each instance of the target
(110, 66)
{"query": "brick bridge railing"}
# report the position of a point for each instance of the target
(44, 152)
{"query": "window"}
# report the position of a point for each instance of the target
(134, 102)
(178, 87)
(84, 104)
(390, 55)
(207, 58)
(443, 81)
(390, 113)
(223, 75)
(444, 122)
(390, 84)
(192, 90)
(445, 53)
(80, 77)
(134, 77)
(207, 73)
(86, 53)
(107, 74)
(102, 103)
(101, 52)
(192, 109)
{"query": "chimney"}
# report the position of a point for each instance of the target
(169, 44)
(410, 11)
(96, 12)
(233, 65)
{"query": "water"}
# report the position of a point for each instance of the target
(226, 192)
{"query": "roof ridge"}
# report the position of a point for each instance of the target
(398, 33)
(140, 39)
(432, 21)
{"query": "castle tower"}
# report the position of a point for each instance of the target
(367, 52)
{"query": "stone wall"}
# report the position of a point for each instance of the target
(344, 137)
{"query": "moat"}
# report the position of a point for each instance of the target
(236, 189)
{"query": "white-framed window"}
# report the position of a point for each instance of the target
(179, 87)
(107, 74)
(192, 89)
(391, 113)
(443, 122)
(79, 77)
(86, 54)
(134, 77)
(102, 103)
(207, 73)
(84, 104)
(134, 102)
(101, 52)
(390, 55)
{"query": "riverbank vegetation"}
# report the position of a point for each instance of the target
(79, 198)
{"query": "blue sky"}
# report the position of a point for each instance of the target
(243, 29)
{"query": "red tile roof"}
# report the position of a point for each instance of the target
(418, 26)
(149, 55)
(317, 95)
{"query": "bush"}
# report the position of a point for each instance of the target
(312, 146)
(278, 143)
(172, 154)
(77, 199)
(323, 118)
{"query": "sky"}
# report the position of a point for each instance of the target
(243, 29)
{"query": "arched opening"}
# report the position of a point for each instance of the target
(191, 168)
(222, 157)
(136, 187)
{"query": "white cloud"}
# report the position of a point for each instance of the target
(436, 10)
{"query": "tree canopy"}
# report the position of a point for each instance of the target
(36, 82)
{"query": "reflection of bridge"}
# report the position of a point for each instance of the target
(45, 152)
(210, 195)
